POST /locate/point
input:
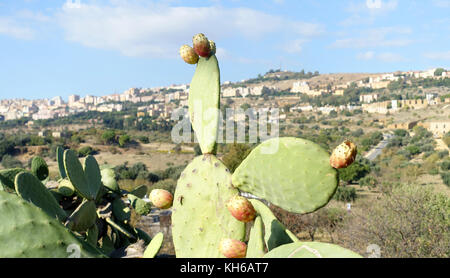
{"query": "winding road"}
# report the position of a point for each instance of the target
(376, 151)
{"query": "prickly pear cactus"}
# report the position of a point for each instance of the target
(292, 173)
(200, 218)
(32, 190)
(311, 250)
(28, 232)
(275, 233)
(204, 101)
(7, 178)
(39, 168)
(255, 247)
(154, 246)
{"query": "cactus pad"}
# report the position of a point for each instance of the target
(83, 217)
(32, 190)
(7, 178)
(140, 191)
(292, 173)
(255, 246)
(154, 246)
(93, 175)
(121, 212)
(60, 160)
(140, 206)
(109, 179)
(66, 188)
(200, 219)
(311, 250)
(204, 101)
(39, 168)
(276, 233)
(86, 181)
(27, 232)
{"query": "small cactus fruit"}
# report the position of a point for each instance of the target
(212, 46)
(233, 248)
(188, 54)
(161, 198)
(343, 155)
(201, 45)
(241, 209)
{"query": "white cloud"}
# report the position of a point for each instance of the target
(438, 55)
(366, 55)
(295, 46)
(387, 57)
(158, 29)
(367, 12)
(376, 37)
(390, 57)
(384, 6)
(11, 27)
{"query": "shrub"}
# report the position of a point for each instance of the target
(368, 181)
(167, 184)
(446, 177)
(410, 221)
(124, 140)
(235, 154)
(85, 151)
(9, 161)
(345, 194)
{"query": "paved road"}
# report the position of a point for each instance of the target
(376, 151)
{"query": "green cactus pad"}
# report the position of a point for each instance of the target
(66, 188)
(311, 250)
(86, 181)
(60, 160)
(39, 168)
(142, 235)
(292, 173)
(140, 191)
(276, 233)
(255, 246)
(200, 219)
(140, 206)
(32, 190)
(120, 211)
(93, 175)
(7, 178)
(83, 217)
(92, 235)
(28, 232)
(154, 246)
(204, 101)
(109, 179)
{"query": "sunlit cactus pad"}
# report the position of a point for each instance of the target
(28, 232)
(276, 233)
(200, 219)
(311, 250)
(292, 173)
(204, 101)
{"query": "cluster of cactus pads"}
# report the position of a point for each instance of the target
(86, 215)
(209, 216)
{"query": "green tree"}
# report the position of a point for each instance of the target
(235, 154)
(438, 72)
(109, 137)
(124, 140)
(354, 172)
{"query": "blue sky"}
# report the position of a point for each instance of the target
(50, 48)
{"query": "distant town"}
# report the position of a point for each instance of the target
(160, 102)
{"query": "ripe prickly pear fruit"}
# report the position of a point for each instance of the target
(188, 54)
(212, 46)
(232, 248)
(241, 209)
(343, 155)
(201, 45)
(161, 198)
